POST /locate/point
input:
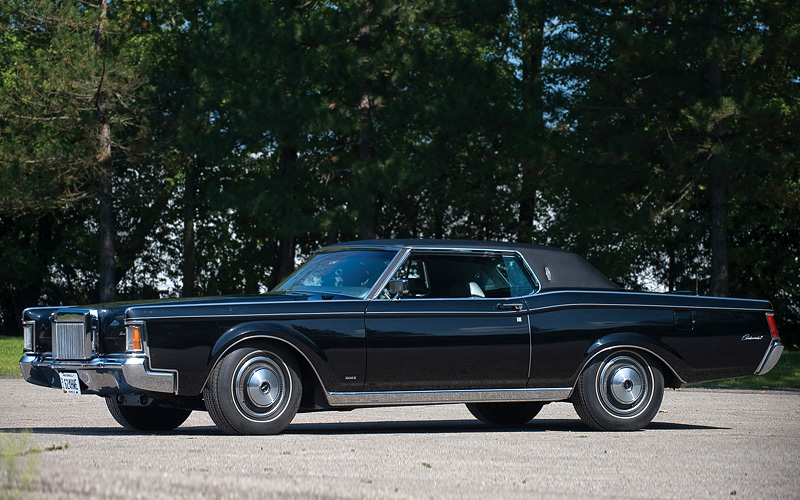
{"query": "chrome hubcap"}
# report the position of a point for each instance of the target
(261, 387)
(624, 385)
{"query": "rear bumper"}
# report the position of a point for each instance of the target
(103, 376)
(770, 358)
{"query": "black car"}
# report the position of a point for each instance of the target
(505, 328)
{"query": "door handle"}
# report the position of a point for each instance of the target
(510, 307)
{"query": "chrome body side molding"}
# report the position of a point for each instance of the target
(397, 398)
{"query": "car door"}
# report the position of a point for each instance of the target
(463, 325)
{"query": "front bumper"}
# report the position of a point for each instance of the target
(770, 358)
(103, 376)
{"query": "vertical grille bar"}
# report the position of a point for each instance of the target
(69, 341)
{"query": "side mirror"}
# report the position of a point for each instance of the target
(398, 288)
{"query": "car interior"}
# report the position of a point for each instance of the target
(438, 275)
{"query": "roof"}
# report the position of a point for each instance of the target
(555, 268)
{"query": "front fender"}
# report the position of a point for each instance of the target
(305, 349)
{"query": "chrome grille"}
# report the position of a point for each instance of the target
(70, 341)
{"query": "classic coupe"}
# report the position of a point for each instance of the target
(504, 328)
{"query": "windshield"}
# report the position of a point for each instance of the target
(349, 272)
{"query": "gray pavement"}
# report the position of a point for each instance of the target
(703, 444)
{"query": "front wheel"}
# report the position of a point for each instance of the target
(619, 391)
(254, 390)
(146, 418)
(505, 414)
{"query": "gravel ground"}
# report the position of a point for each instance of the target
(704, 444)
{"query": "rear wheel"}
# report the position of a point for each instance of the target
(147, 418)
(254, 390)
(619, 391)
(505, 414)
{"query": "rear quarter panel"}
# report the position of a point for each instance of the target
(569, 327)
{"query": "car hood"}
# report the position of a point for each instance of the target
(119, 308)
(227, 305)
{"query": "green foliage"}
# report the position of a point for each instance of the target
(246, 132)
(49, 100)
(10, 353)
(631, 189)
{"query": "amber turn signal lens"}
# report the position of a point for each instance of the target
(133, 337)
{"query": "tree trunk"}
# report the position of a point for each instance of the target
(189, 219)
(368, 212)
(719, 240)
(719, 192)
(438, 224)
(531, 19)
(108, 265)
(18, 298)
(108, 268)
(284, 265)
(671, 274)
(286, 256)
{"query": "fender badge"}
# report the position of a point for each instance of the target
(751, 337)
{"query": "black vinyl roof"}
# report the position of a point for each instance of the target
(556, 269)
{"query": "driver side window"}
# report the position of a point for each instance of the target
(415, 271)
(464, 275)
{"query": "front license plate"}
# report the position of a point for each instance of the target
(69, 382)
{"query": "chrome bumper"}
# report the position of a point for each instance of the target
(770, 358)
(104, 376)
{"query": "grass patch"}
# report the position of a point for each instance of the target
(10, 352)
(785, 375)
(19, 466)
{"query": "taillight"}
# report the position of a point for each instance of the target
(773, 329)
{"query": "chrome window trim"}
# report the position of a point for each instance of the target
(387, 274)
(536, 283)
(458, 250)
(397, 398)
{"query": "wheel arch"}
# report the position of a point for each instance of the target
(638, 344)
(309, 356)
